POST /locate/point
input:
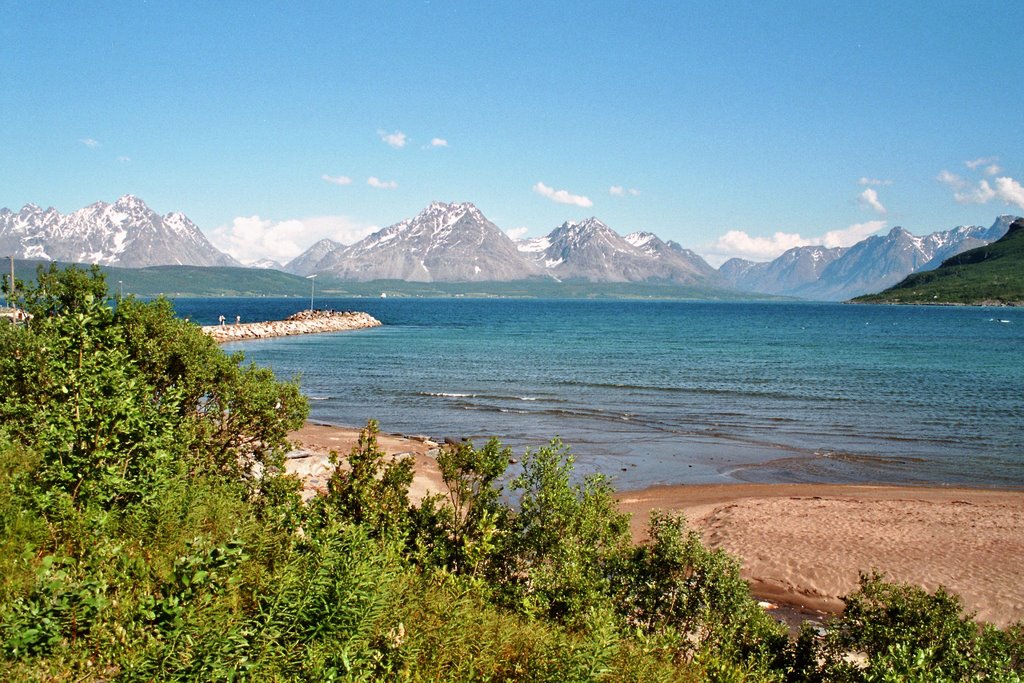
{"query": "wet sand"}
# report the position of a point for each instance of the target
(802, 545)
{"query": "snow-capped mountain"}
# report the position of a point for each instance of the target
(871, 265)
(306, 262)
(671, 252)
(590, 250)
(265, 264)
(796, 268)
(443, 243)
(456, 243)
(126, 233)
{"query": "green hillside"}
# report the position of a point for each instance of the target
(992, 274)
(195, 281)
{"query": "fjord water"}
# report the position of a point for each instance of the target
(655, 392)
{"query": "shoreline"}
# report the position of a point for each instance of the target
(802, 546)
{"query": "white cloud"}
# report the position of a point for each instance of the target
(974, 164)
(847, 237)
(517, 233)
(738, 243)
(251, 238)
(979, 194)
(396, 139)
(336, 179)
(877, 182)
(869, 198)
(1010, 191)
(438, 142)
(1006, 188)
(374, 181)
(90, 143)
(620, 191)
(951, 180)
(562, 196)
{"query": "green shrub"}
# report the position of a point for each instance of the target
(904, 633)
(563, 541)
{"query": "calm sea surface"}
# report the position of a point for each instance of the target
(673, 392)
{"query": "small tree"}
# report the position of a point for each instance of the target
(565, 538)
(368, 491)
(477, 514)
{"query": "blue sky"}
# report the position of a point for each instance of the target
(733, 128)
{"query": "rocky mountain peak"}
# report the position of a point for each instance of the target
(126, 233)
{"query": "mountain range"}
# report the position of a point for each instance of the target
(452, 243)
(989, 274)
(871, 265)
(126, 233)
(457, 243)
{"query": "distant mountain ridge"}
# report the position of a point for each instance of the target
(126, 233)
(992, 273)
(457, 243)
(871, 265)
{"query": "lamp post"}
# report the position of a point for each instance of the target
(120, 290)
(312, 286)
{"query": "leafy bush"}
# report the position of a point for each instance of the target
(563, 540)
(897, 632)
(370, 489)
(675, 585)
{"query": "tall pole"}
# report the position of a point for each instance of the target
(10, 289)
(312, 286)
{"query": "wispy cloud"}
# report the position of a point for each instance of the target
(978, 194)
(951, 180)
(336, 179)
(993, 169)
(562, 196)
(374, 181)
(620, 191)
(396, 139)
(740, 244)
(517, 233)
(90, 143)
(975, 164)
(869, 198)
(251, 238)
(876, 182)
(438, 142)
(124, 159)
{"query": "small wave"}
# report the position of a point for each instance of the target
(319, 398)
(445, 394)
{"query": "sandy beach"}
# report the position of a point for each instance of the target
(801, 544)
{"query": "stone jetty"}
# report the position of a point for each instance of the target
(303, 322)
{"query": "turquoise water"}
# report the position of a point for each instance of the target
(672, 392)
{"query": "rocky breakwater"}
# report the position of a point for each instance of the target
(303, 322)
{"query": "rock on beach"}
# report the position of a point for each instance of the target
(303, 322)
